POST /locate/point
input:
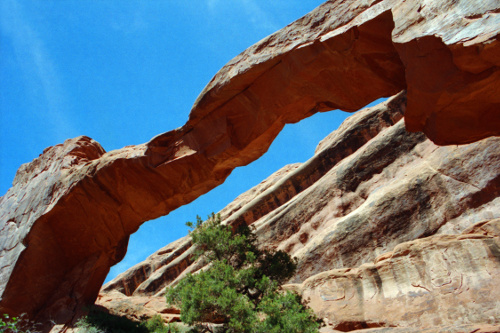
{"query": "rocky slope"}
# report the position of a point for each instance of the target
(343, 55)
(390, 230)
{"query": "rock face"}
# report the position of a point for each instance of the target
(70, 212)
(429, 282)
(390, 230)
(462, 38)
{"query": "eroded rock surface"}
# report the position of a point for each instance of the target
(435, 281)
(371, 193)
(453, 99)
(69, 214)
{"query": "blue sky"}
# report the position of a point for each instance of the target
(123, 72)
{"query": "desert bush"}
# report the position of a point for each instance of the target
(101, 322)
(98, 321)
(240, 288)
(157, 325)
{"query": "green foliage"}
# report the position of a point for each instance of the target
(17, 324)
(240, 288)
(101, 322)
(84, 326)
(8, 324)
(286, 313)
(157, 325)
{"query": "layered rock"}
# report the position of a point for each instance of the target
(435, 281)
(371, 193)
(69, 214)
(444, 94)
(138, 308)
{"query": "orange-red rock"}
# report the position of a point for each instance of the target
(68, 216)
(372, 193)
(455, 97)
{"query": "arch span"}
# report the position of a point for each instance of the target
(69, 214)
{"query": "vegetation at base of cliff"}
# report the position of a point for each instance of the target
(102, 322)
(156, 325)
(240, 288)
(17, 324)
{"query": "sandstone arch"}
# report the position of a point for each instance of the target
(68, 217)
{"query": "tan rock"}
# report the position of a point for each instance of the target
(137, 308)
(394, 188)
(440, 280)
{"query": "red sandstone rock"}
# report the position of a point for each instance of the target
(69, 214)
(455, 98)
(371, 188)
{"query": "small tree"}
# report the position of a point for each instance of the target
(240, 288)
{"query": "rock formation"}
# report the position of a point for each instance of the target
(70, 212)
(426, 283)
(390, 230)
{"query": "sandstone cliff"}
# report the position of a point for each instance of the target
(70, 212)
(390, 230)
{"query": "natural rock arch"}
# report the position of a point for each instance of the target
(68, 217)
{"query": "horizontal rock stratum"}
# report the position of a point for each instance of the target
(443, 280)
(389, 230)
(70, 212)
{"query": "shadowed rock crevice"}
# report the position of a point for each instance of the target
(356, 325)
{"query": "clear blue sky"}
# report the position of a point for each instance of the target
(122, 72)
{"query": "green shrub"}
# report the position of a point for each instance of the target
(17, 324)
(240, 288)
(157, 325)
(101, 322)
